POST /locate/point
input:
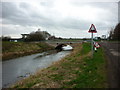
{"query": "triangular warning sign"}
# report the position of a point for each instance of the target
(92, 29)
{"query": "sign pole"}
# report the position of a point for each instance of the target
(92, 30)
(92, 44)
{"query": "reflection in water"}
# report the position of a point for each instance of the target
(16, 69)
(46, 53)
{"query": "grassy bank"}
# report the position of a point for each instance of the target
(77, 70)
(16, 49)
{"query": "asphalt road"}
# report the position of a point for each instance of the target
(112, 51)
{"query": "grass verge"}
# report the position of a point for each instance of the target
(77, 70)
(93, 72)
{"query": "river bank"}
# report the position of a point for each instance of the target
(12, 50)
(77, 70)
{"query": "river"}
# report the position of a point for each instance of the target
(16, 69)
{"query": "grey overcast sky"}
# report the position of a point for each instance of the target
(62, 18)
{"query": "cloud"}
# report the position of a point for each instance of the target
(58, 16)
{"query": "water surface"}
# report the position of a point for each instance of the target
(19, 68)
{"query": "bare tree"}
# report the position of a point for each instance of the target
(35, 36)
(116, 34)
(111, 34)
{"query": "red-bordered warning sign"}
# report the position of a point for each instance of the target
(96, 44)
(92, 29)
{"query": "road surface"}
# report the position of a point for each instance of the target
(112, 51)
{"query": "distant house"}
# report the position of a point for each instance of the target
(45, 34)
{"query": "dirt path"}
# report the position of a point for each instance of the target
(113, 62)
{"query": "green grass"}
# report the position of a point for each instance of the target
(93, 72)
(77, 70)
(86, 48)
(56, 77)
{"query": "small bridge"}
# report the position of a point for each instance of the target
(56, 43)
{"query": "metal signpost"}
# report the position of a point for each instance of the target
(92, 30)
